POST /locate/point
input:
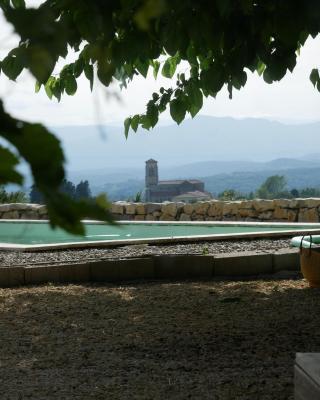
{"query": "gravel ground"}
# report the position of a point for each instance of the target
(155, 341)
(213, 247)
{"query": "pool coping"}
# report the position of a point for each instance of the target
(281, 264)
(163, 240)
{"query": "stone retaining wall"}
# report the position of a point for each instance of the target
(23, 211)
(283, 210)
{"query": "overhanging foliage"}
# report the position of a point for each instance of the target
(218, 42)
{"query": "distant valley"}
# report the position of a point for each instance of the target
(243, 181)
(224, 152)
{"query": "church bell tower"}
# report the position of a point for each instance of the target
(151, 177)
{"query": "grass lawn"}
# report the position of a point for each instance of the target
(158, 340)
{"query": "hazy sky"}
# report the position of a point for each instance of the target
(293, 99)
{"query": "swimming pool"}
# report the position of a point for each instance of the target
(37, 235)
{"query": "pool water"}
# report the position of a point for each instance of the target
(38, 233)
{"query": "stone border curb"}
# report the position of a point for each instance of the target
(154, 267)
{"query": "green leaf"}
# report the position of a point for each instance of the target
(56, 88)
(105, 72)
(152, 113)
(78, 67)
(37, 87)
(127, 123)
(135, 122)
(177, 110)
(239, 80)
(7, 172)
(156, 66)
(70, 84)
(192, 56)
(142, 67)
(267, 76)
(145, 122)
(195, 98)
(314, 77)
(18, 3)
(88, 71)
(12, 67)
(40, 62)
(213, 78)
(170, 66)
(260, 68)
(47, 87)
(73, 211)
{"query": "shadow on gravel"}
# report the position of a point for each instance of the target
(197, 340)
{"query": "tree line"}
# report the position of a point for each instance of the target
(80, 191)
(274, 187)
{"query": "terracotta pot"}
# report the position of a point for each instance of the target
(310, 265)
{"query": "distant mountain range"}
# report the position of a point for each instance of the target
(194, 170)
(104, 151)
(224, 152)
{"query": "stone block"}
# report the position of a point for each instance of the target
(282, 203)
(183, 266)
(122, 270)
(4, 207)
(246, 263)
(42, 210)
(150, 217)
(292, 215)
(29, 214)
(22, 206)
(266, 215)
(263, 205)
(248, 213)
(185, 217)
(11, 215)
(74, 273)
(166, 217)
(246, 204)
(139, 217)
(157, 214)
(169, 209)
(57, 273)
(195, 217)
(201, 208)
(11, 276)
(117, 208)
(152, 207)
(140, 209)
(45, 274)
(308, 215)
(309, 203)
(231, 208)
(286, 260)
(130, 209)
(188, 209)
(280, 213)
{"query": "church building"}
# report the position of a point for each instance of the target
(159, 191)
